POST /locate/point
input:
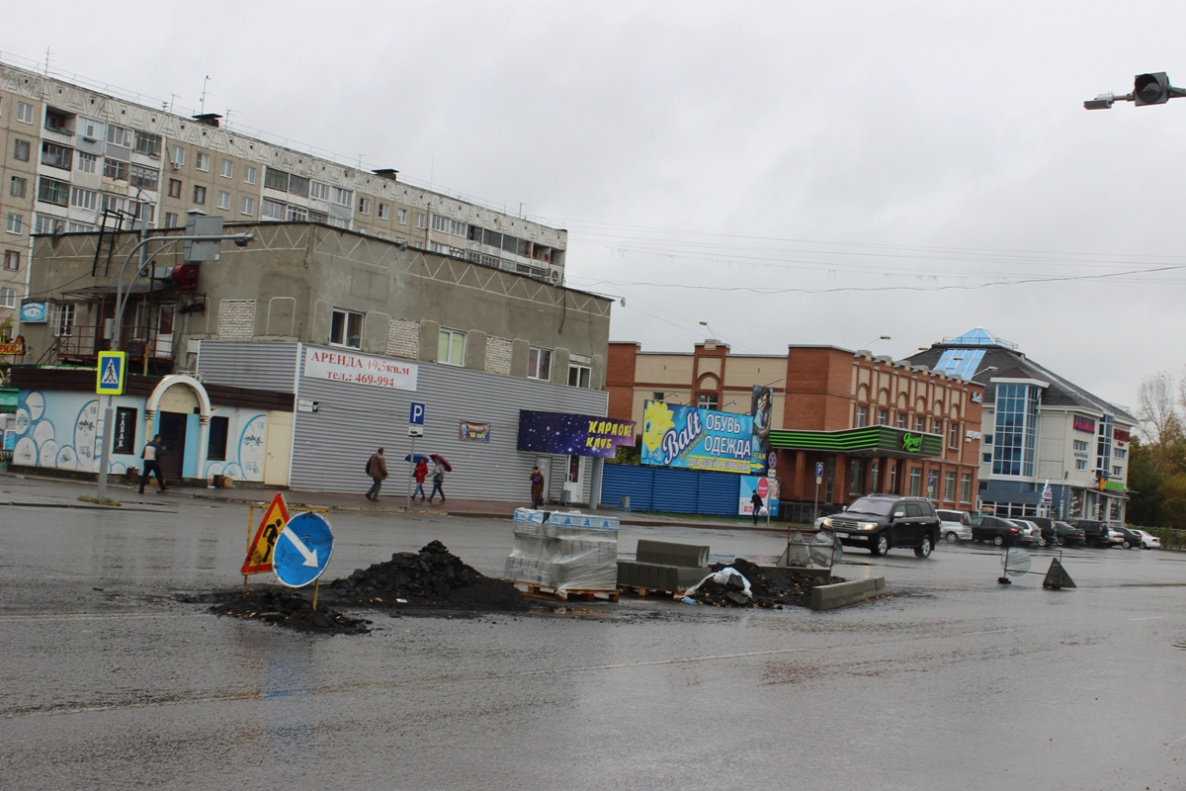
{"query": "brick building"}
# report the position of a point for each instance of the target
(875, 425)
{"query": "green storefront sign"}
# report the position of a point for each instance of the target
(870, 440)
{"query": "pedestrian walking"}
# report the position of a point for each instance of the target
(757, 505)
(537, 487)
(377, 469)
(438, 482)
(420, 474)
(152, 463)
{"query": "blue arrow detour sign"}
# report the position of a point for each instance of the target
(302, 549)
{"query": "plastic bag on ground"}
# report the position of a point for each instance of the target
(728, 577)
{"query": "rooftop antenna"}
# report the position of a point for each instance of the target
(202, 103)
(47, 56)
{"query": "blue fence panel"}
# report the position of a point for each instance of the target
(625, 480)
(675, 491)
(718, 494)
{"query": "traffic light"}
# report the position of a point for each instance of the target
(1151, 89)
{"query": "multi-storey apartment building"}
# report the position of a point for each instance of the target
(77, 159)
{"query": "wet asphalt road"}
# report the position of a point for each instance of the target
(951, 681)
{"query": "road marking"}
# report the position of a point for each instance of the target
(994, 631)
(1148, 618)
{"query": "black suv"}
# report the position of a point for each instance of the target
(1095, 533)
(880, 522)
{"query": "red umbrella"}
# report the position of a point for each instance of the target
(441, 460)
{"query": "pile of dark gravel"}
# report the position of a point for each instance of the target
(772, 588)
(289, 608)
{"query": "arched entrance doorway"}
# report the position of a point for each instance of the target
(167, 412)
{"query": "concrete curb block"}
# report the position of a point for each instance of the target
(829, 597)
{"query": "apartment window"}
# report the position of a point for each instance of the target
(178, 156)
(14, 223)
(63, 322)
(112, 203)
(53, 191)
(862, 416)
(364, 205)
(883, 417)
(1117, 470)
(202, 161)
(343, 197)
(73, 226)
(117, 135)
(901, 420)
(248, 207)
(228, 169)
(915, 481)
(401, 216)
(457, 228)
(953, 435)
(12, 260)
(87, 163)
(439, 223)
(16, 187)
(174, 188)
(24, 112)
(199, 194)
(148, 144)
(20, 150)
(318, 190)
(937, 426)
(949, 487)
(451, 347)
(249, 174)
(171, 219)
(539, 364)
(56, 156)
(920, 424)
(1120, 453)
(115, 169)
(44, 223)
(83, 198)
(966, 487)
(986, 458)
(219, 431)
(384, 211)
(346, 329)
(1080, 445)
(1080, 464)
(321, 217)
(296, 213)
(7, 298)
(986, 439)
(224, 201)
(893, 482)
(420, 219)
(148, 178)
(579, 376)
(706, 401)
(92, 130)
(58, 121)
(271, 210)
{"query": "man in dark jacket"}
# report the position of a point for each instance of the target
(756, 500)
(152, 463)
(377, 469)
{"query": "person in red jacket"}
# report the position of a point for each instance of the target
(420, 474)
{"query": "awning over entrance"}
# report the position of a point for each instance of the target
(880, 441)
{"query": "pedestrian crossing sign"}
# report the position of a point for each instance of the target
(112, 374)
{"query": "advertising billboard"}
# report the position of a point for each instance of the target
(698, 439)
(582, 435)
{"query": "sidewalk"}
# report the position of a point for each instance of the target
(49, 491)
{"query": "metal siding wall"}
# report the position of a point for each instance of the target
(258, 366)
(331, 446)
(625, 480)
(718, 494)
(675, 491)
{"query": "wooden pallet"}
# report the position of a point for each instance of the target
(639, 591)
(567, 594)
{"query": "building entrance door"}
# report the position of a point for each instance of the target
(574, 479)
(172, 431)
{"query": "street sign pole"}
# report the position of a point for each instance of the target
(415, 429)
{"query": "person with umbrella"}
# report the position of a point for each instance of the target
(438, 476)
(420, 474)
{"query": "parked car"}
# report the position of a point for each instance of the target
(880, 522)
(1046, 525)
(1030, 533)
(1095, 532)
(995, 529)
(1068, 535)
(1115, 537)
(953, 525)
(1148, 540)
(1131, 538)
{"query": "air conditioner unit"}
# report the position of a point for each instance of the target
(555, 275)
(176, 165)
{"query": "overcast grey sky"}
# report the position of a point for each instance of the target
(789, 172)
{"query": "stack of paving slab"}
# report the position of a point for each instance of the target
(664, 566)
(567, 551)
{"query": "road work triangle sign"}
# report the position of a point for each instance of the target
(259, 552)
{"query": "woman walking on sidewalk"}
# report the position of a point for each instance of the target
(438, 481)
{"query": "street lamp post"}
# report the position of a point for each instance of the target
(121, 301)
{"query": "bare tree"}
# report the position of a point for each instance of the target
(1157, 409)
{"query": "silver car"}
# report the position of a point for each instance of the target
(953, 525)
(1030, 533)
